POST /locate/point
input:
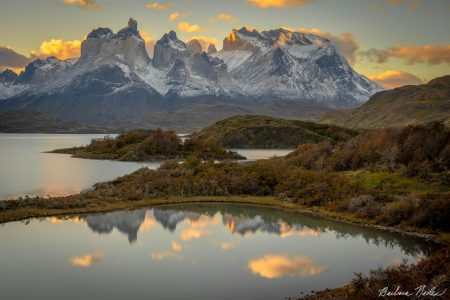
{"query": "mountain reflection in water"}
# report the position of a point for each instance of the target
(245, 220)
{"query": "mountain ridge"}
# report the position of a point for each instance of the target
(407, 105)
(115, 80)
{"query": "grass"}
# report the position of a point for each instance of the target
(395, 182)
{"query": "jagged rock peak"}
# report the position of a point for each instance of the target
(8, 76)
(100, 33)
(195, 46)
(130, 30)
(212, 49)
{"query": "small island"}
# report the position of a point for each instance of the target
(264, 132)
(149, 145)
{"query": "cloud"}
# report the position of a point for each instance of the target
(412, 54)
(190, 28)
(223, 17)
(159, 6)
(264, 4)
(84, 4)
(275, 266)
(163, 255)
(205, 41)
(226, 246)
(395, 78)
(149, 42)
(189, 234)
(60, 48)
(346, 42)
(87, 260)
(11, 59)
(174, 16)
(176, 247)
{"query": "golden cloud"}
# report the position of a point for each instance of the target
(176, 247)
(412, 54)
(226, 246)
(87, 260)
(148, 224)
(190, 28)
(174, 16)
(60, 48)
(264, 4)
(162, 255)
(223, 17)
(159, 6)
(395, 78)
(149, 42)
(84, 4)
(205, 41)
(275, 266)
(189, 234)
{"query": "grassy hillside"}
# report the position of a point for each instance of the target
(255, 131)
(408, 105)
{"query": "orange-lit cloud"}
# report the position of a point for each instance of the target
(226, 246)
(149, 42)
(288, 231)
(159, 6)
(87, 260)
(412, 54)
(395, 78)
(162, 255)
(176, 247)
(205, 41)
(60, 48)
(345, 42)
(275, 266)
(190, 28)
(174, 16)
(279, 3)
(148, 224)
(189, 234)
(223, 17)
(84, 4)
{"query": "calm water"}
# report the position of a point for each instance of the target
(26, 170)
(190, 252)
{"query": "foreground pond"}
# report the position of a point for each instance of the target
(197, 251)
(27, 170)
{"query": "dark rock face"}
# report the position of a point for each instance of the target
(211, 49)
(8, 76)
(168, 49)
(194, 46)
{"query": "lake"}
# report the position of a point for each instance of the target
(26, 170)
(195, 251)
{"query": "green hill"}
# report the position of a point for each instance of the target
(255, 131)
(407, 105)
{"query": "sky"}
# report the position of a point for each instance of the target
(394, 42)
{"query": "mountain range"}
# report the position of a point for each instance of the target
(115, 81)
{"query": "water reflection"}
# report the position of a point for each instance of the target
(127, 222)
(87, 260)
(273, 266)
(243, 221)
(243, 252)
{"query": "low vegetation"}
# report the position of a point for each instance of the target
(254, 131)
(407, 105)
(428, 279)
(148, 145)
(390, 177)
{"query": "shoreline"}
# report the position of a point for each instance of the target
(30, 212)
